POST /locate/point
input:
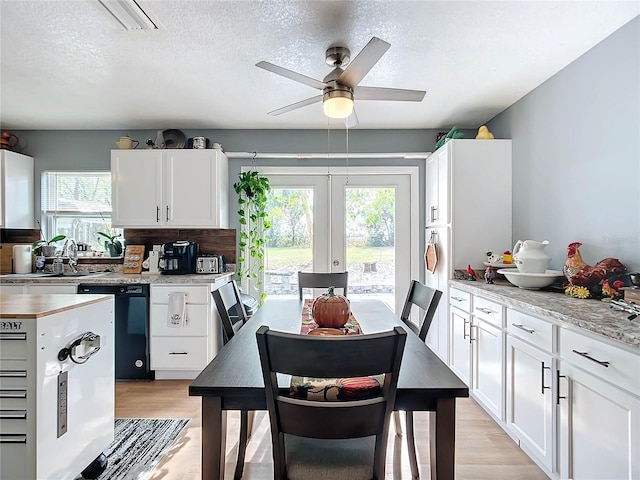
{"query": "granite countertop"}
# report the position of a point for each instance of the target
(115, 277)
(592, 315)
(39, 306)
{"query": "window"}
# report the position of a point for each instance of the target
(78, 205)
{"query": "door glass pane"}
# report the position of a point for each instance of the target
(370, 240)
(289, 240)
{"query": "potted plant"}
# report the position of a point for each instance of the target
(112, 244)
(252, 189)
(46, 248)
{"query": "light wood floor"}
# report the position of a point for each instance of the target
(483, 450)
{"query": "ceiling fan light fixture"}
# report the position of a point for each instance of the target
(338, 104)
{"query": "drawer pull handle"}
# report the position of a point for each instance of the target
(522, 327)
(542, 389)
(13, 374)
(13, 438)
(178, 353)
(485, 310)
(586, 355)
(13, 336)
(13, 394)
(457, 299)
(13, 414)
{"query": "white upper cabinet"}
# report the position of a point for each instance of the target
(170, 188)
(16, 190)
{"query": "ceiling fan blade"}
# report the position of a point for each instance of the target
(364, 61)
(296, 77)
(378, 93)
(352, 120)
(294, 106)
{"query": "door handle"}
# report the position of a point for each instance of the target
(542, 389)
(464, 329)
(157, 213)
(558, 377)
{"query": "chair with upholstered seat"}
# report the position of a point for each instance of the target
(427, 299)
(342, 439)
(227, 297)
(322, 280)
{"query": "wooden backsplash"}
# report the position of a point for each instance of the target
(9, 238)
(210, 241)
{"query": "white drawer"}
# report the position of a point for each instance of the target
(460, 299)
(13, 421)
(13, 345)
(530, 329)
(13, 374)
(488, 311)
(179, 353)
(13, 399)
(195, 294)
(196, 322)
(610, 363)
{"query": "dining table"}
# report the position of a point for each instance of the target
(233, 381)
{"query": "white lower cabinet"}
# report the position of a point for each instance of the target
(530, 407)
(183, 352)
(569, 398)
(599, 421)
(477, 351)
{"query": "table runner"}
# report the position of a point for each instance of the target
(333, 389)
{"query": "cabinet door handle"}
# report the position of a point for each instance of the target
(464, 329)
(586, 355)
(178, 353)
(558, 377)
(471, 339)
(167, 213)
(542, 389)
(522, 327)
(157, 213)
(434, 209)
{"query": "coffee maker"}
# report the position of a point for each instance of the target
(178, 258)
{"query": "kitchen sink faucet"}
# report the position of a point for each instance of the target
(71, 249)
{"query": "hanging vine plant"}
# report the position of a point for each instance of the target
(252, 189)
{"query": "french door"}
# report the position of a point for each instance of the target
(334, 220)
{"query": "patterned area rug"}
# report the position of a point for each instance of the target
(138, 446)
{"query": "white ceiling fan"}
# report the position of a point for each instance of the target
(340, 87)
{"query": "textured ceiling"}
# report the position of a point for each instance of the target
(70, 65)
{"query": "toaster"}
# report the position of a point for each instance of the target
(210, 264)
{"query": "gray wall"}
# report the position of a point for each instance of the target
(576, 154)
(90, 150)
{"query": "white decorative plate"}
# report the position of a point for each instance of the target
(500, 265)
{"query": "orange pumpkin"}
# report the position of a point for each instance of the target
(330, 309)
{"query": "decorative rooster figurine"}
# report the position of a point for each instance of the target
(581, 274)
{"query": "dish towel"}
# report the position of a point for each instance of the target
(177, 311)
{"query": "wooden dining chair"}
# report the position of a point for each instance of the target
(225, 298)
(344, 439)
(427, 299)
(322, 280)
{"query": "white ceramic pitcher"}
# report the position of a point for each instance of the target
(529, 256)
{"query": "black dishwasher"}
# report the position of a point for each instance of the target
(131, 328)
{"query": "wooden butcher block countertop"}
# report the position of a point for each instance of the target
(38, 306)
